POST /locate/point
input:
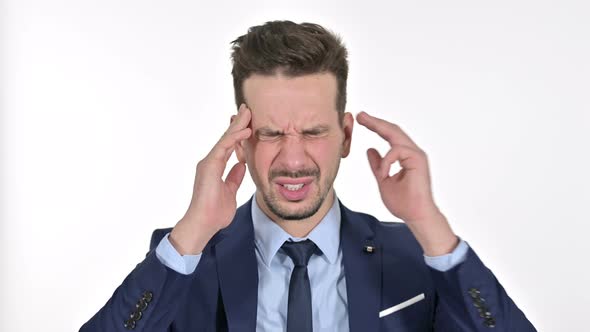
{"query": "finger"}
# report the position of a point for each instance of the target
(390, 132)
(241, 120)
(235, 176)
(374, 161)
(226, 145)
(243, 135)
(408, 159)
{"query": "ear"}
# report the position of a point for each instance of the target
(347, 124)
(239, 148)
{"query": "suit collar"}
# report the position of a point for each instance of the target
(269, 236)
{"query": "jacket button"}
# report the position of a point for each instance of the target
(490, 322)
(485, 314)
(135, 316)
(129, 324)
(147, 296)
(479, 300)
(141, 305)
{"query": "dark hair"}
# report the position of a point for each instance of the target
(294, 50)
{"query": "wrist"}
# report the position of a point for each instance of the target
(190, 238)
(441, 248)
(434, 235)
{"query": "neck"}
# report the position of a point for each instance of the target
(299, 228)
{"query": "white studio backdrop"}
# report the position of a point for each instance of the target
(107, 106)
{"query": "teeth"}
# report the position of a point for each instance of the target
(293, 187)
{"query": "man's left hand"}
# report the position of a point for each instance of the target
(408, 194)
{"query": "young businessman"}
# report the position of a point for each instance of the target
(294, 258)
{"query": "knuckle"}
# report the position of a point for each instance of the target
(422, 152)
(201, 164)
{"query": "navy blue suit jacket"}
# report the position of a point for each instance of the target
(221, 295)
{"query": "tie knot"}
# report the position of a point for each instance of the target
(300, 252)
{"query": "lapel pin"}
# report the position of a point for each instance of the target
(369, 247)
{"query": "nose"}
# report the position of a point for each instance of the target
(292, 155)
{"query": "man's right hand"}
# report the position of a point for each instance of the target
(213, 204)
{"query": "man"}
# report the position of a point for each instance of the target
(294, 258)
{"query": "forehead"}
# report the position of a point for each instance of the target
(282, 101)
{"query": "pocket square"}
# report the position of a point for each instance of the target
(400, 306)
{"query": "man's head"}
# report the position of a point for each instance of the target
(293, 77)
(292, 49)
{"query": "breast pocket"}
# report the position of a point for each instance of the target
(411, 315)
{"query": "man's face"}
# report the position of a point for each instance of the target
(294, 152)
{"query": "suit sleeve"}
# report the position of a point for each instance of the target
(470, 298)
(147, 300)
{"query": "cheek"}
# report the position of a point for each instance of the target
(324, 153)
(261, 157)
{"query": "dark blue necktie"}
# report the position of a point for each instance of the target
(299, 315)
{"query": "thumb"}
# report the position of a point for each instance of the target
(235, 176)
(374, 161)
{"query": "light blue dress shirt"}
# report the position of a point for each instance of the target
(329, 303)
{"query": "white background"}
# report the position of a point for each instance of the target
(106, 107)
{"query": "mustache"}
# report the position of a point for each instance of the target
(293, 174)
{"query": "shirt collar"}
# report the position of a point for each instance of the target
(269, 237)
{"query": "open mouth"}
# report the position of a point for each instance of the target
(294, 189)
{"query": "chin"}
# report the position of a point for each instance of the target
(294, 210)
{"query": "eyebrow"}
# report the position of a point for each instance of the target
(267, 131)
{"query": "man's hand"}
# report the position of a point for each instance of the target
(408, 194)
(213, 204)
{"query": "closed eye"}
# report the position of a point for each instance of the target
(268, 135)
(316, 132)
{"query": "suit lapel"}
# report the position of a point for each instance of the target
(238, 272)
(362, 270)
